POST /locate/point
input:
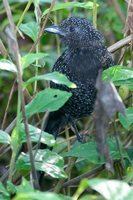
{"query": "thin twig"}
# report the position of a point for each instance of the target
(10, 126)
(68, 169)
(43, 26)
(91, 174)
(118, 145)
(68, 148)
(15, 48)
(57, 39)
(3, 50)
(38, 15)
(8, 103)
(4, 149)
(44, 122)
(118, 11)
(24, 13)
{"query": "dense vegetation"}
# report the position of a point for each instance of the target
(72, 170)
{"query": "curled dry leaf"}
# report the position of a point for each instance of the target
(108, 102)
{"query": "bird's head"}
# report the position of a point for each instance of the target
(77, 32)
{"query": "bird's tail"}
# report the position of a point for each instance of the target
(54, 122)
(51, 126)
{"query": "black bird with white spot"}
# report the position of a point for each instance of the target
(84, 56)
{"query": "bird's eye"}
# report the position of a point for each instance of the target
(71, 29)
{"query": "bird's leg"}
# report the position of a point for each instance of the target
(79, 136)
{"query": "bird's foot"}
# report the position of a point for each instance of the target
(80, 138)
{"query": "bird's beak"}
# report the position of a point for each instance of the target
(55, 30)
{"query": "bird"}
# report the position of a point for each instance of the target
(84, 55)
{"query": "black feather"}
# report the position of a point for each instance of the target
(85, 55)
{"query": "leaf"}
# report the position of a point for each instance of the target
(68, 5)
(3, 197)
(31, 58)
(56, 77)
(25, 187)
(26, 192)
(7, 65)
(127, 120)
(120, 75)
(45, 160)
(3, 190)
(47, 100)
(35, 135)
(37, 195)
(83, 185)
(30, 29)
(81, 151)
(10, 187)
(112, 189)
(15, 141)
(88, 197)
(4, 137)
(123, 91)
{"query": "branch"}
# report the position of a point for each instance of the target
(91, 174)
(120, 44)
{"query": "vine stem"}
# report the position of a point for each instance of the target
(95, 13)
(24, 13)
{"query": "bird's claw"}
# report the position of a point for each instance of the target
(80, 138)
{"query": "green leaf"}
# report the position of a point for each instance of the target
(81, 151)
(35, 135)
(3, 190)
(10, 187)
(30, 29)
(26, 192)
(7, 65)
(37, 195)
(120, 75)
(25, 187)
(47, 100)
(127, 120)
(4, 137)
(2, 197)
(15, 141)
(112, 189)
(31, 58)
(117, 73)
(45, 160)
(69, 5)
(56, 77)
(89, 197)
